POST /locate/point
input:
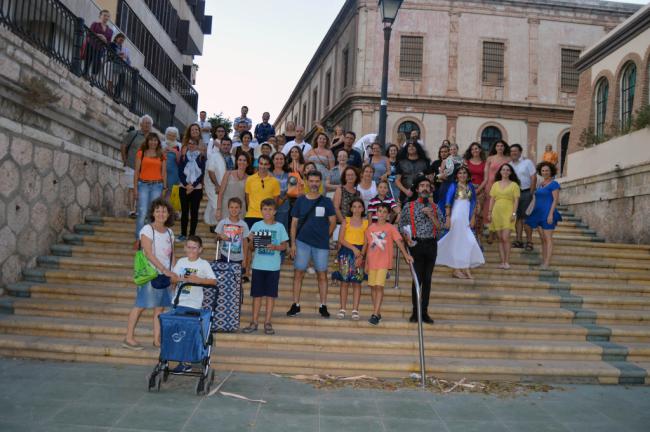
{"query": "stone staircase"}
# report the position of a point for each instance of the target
(588, 320)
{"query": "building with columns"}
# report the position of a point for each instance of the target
(475, 70)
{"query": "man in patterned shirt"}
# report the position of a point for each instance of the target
(248, 123)
(419, 224)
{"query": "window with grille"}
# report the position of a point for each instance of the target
(493, 54)
(569, 75)
(602, 93)
(628, 84)
(410, 57)
(314, 104)
(489, 136)
(328, 88)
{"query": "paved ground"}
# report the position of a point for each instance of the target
(71, 397)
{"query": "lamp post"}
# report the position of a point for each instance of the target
(389, 10)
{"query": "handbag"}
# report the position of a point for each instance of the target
(143, 271)
(158, 281)
(295, 185)
(175, 197)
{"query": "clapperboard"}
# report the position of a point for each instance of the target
(262, 239)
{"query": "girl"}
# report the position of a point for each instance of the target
(367, 187)
(191, 171)
(338, 135)
(458, 249)
(504, 198)
(499, 155)
(437, 171)
(379, 162)
(321, 156)
(352, 240)
(545, 216)
(391, 155)
(245, 147)
(150, 179)
(475, 162)
(383, 197)
(193, 132)
(334, 179)
(279, 171)
(233, 184)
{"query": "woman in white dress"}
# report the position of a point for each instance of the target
(458, 249)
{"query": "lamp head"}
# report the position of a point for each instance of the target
(389, 10)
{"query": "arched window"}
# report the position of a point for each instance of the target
(564, 149)
(602, 93)
(628, 84)
(489, 136)
(407, 127)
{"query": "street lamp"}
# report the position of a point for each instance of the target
(389, 10)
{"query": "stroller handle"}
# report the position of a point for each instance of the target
(184, 284)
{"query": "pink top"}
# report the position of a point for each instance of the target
(477, 171)
(380, 246)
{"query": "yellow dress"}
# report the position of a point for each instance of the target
(504, 201)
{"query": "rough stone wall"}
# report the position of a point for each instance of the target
(58, 161)
(616, 204)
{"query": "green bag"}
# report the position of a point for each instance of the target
(143, 271)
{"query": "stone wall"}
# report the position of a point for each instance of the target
(59, 161)
(616, 204)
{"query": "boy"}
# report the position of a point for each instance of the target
(269, 239)
(379, 249)
(192, 269)
(233, 233)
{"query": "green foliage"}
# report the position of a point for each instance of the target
(641, 118)
(217, 120)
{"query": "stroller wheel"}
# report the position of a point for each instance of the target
(154, 381)
(200, 386)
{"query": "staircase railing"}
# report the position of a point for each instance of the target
(418, 292)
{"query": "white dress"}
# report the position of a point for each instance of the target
(458, 249)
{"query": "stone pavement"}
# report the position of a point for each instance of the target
(76, 397)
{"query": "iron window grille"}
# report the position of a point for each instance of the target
(493, 63)
(569, 74)
(410, 57)
(602, 94)
(628, 84)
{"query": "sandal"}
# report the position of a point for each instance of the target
(517, 244)
(268, 329)
(355, 315)
(132, 346)
(529, 247)
(341, 314)
(252, 327)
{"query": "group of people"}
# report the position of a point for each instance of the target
(307, 199)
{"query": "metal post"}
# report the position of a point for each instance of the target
(135, 77)
(418, 292)
(396, 286)
(77, 43)
(383, 107)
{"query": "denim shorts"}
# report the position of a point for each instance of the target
(148, 297)
(305, 252)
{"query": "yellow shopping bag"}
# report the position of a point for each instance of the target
(175, 198)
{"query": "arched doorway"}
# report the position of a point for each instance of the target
(407, 127)
(489, 136)
(564, 148)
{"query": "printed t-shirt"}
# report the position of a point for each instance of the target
(237, 232)
(258, 190)
(265, 259)
(380, 240)
(162, 244)
(151, 167)
(192, 296)
(315, 230)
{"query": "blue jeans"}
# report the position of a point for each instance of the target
(147, 193)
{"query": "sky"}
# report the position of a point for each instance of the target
(258, 51)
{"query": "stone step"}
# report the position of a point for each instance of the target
(284, 361)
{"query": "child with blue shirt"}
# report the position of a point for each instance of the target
(269, 239)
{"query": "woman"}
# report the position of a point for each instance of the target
(193, 132)
(321, 155)
(94, 50)
(150, 178)
(379, 162)
(412, 160)
(504, 199)
(172, 150)
(475, 162)
(334, 179)
(499, 155)
(545, 216)
(401, 140)
(290, 131)
(391, 155)
(346, 193)
(436, 172)
(309, 167)
(233, 185)
(245, 147)
(217, 136)
(279, 171)
(338, 136)
(158, 246)
(191, 171)
(367, 187)
(458, 249)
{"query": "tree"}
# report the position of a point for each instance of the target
(217, 120)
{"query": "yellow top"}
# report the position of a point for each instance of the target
(355, 235)
(551, 157)
(258, 190)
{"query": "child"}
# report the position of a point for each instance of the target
(383, 196)
(195, 270)
(233, 232)
(352, 240)
(269, 238)
(379, 248)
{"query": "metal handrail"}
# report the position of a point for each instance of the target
(396, 286)
(418, 292)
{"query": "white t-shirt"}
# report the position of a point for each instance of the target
(205, 136)
(525, 169)
(162, 244)
(192, 296)
(367, 194)
(305, 146)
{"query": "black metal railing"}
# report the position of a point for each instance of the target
(55, 30)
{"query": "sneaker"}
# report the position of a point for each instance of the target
(311, 270)
(132, 215)
(355, 315)
(374, 319)
(181, 238)
(182, 368)
(135, 346)
(341, 314)
(294, 310)
(322, 310)
(427, 319)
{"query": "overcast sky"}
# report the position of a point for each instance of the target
(258, 50)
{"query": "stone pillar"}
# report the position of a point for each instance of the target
(533, 125)
(533, 66)
(451, 128)
(452, 76)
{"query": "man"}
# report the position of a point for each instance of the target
(206, 128)
(239, 128)
(355, 158)
(312, 224)
(525, 170)
(215, 146)
(364, 144)
(419, 224)
(299, 141)
(242, 118)
(414, 136)
(280, 141)
(218, 163)
(260, 186)
(264, 130)
(118, 68)
(130, 145)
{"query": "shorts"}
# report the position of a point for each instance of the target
(377, 277)
(264, 283)
(126, 178)
(524, 201)
(305, 252)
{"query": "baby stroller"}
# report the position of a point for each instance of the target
(185, 336)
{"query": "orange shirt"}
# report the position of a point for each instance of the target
(550, 157)
(151, 167)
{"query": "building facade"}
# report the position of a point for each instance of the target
(476, 70)
(608, 167)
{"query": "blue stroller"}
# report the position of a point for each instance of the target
(185, 336)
